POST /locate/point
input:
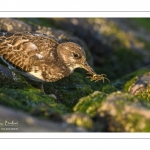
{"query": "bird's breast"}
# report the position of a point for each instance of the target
(48, 73)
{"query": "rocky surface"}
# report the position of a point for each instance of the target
(14, 25)
(116, 47)
(126, 113)
(17, 121)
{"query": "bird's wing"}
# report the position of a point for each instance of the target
(24, 49)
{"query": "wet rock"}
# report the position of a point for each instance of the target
(7, 77)
(126, 113)
(5, 71)
(141, 85)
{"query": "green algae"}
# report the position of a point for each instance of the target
(126, 81)
(134, 122)
(29, 100)
(79, 119)
(109, 88)
(122, 113)
(144, 94)
(132, 78)
(90, 104)
(142, 22)
(70, 89)
(137, 123)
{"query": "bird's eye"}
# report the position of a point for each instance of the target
(75, 55)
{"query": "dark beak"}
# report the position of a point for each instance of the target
(94, 77)
(88, 68)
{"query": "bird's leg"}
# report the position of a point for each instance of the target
(42, 89)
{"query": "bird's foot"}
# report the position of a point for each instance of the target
(52, 96)
(14, 76)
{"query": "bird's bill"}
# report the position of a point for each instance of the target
(87, 67)
(94, 77)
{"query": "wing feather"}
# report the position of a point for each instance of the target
(25, 49)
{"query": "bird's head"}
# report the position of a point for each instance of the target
(74, 56)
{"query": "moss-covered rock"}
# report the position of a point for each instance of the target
(140, 86)
(90, 104)
(126, 113)
(79, 119)
(27, 99)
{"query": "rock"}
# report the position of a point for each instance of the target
(141, 85)
(79, 119)
(126, 113)
(17, 121)
(90, 104)
(5, 72)
(14, 25)
(138, 83)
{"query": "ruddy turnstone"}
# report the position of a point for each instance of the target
(42, 58)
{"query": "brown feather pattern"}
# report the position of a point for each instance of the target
(21, 50)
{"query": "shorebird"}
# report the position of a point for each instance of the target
(42, 58)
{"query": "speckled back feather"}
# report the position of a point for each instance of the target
(22, 49)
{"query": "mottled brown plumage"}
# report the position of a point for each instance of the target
(42, 58)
